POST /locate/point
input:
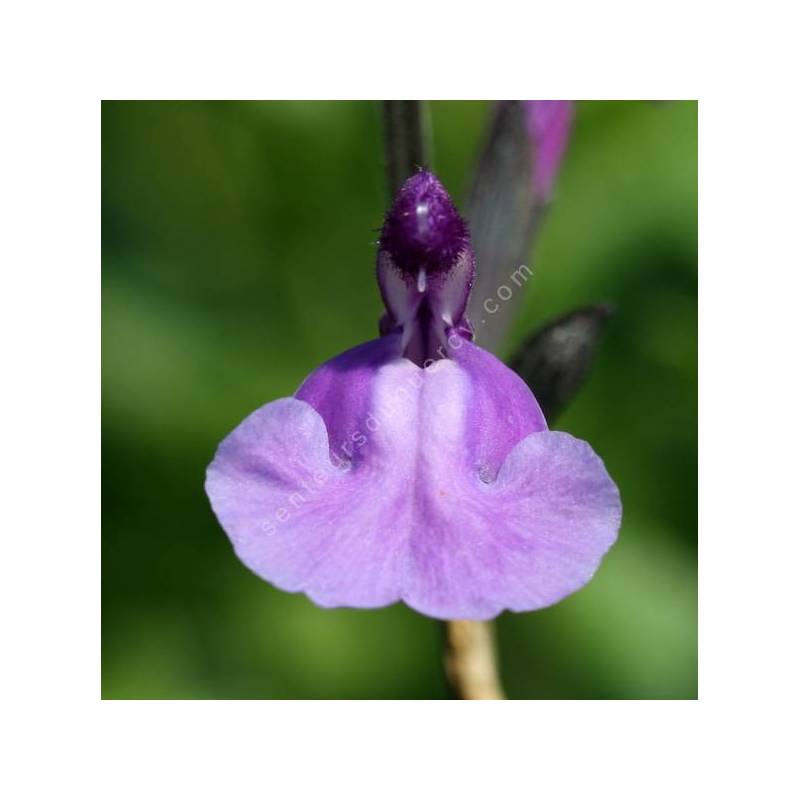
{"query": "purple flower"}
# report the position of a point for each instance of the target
(548, 123)
(416, 466)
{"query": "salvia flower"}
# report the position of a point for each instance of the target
(416, 466)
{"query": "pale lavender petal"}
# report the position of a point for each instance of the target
(413, 517)
(522, 543)
(298, 521)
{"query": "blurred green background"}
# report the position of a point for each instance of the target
(238, 248)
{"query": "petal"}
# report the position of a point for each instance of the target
(501, 407)
(522, 543)
(412, 516)
(340, 390)
(298, 521)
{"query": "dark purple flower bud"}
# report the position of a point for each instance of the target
(426, 268)
(423, 230)
(557, 359)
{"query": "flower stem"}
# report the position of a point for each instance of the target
(471, 660)
(407, 137)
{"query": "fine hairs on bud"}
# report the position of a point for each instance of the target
(423, 230)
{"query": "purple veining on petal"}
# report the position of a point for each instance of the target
(549, 123)
(414, 517)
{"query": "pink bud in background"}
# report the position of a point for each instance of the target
(548, 123)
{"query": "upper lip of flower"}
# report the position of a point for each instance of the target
(425, 268)
(423, 230)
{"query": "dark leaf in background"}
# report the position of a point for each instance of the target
(557, 359)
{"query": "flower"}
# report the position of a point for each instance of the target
(416, 466)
